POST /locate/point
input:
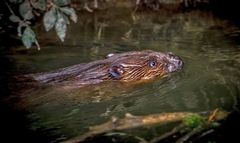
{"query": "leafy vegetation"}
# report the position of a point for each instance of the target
(193, 121)
(55, 13)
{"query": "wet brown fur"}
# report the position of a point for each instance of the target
(130, 66)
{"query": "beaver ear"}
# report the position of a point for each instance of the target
(116, 71)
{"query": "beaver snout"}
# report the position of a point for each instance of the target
(175, 63)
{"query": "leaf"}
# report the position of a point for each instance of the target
(25, 10)
(40, 4)
(61, 26)
(61, 2)
(28, 37)
(19, 30)
(193, 121)
(71, 12)
(14, 18)
(66, 18)
(50, 19)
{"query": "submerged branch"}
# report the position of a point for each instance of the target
(130, 121)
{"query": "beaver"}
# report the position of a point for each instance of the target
(125, 67)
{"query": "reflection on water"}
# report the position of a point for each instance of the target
(209, 80)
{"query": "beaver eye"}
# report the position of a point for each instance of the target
(152, 64)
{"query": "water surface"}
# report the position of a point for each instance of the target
(210, 78)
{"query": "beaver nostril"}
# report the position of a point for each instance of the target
(179, 62)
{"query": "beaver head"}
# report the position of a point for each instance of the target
(143, 65)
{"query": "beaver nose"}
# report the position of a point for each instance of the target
(179, 61)
(175, 63)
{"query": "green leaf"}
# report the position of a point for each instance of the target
(28, 37)
(14, 18)
(40, 4)
(61, 26)
(71, 12)
(62, 2)
(19, 30)
(193, 121)
(25, 10)
(66, 18)
(50, 19)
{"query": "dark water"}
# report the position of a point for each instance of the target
(210, 78)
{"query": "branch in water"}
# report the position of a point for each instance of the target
(130, 121)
